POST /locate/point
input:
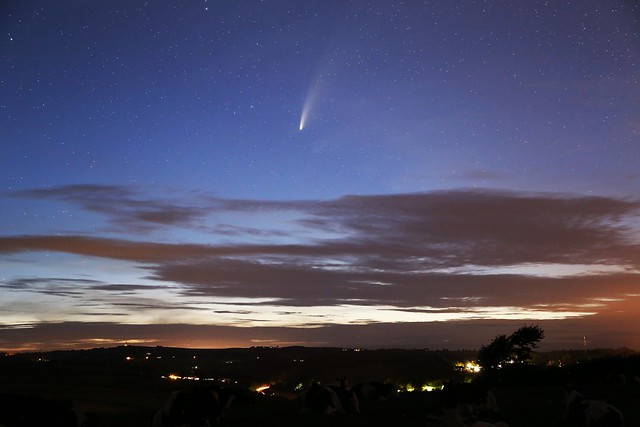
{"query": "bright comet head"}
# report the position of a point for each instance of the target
(306, 107)
(303, 118)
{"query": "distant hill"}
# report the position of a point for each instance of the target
(289, 366)
(260, 364)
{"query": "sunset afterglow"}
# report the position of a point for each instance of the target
(357, 174)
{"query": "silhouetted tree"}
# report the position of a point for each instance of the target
(515, 348)
(524, 340)
(495, 353)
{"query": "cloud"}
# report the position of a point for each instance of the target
(48, 285)
(123, 289)
(124, 207)
(605, 331)
(481, 175)
(489, 228)
(389, 234)
(110, 248)
(459, 253)
(449, 227)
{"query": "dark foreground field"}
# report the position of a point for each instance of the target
(524, 406)
(122, 388)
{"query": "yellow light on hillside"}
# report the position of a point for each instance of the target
(262, 388)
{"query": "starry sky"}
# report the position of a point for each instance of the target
(367, 173)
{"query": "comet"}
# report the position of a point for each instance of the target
(304, 116)
(309, 102)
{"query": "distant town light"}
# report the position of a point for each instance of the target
(470, 367)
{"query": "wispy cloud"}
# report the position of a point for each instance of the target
(465, 253)
(123, 206)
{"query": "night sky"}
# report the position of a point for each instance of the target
(319, 172)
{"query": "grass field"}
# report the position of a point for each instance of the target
(520, 406)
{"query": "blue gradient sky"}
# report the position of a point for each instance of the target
(463, 168)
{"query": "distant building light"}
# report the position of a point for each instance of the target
(470, 367)
(410, 388)
(262, 388)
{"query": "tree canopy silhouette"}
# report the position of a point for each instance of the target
(515, 348)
